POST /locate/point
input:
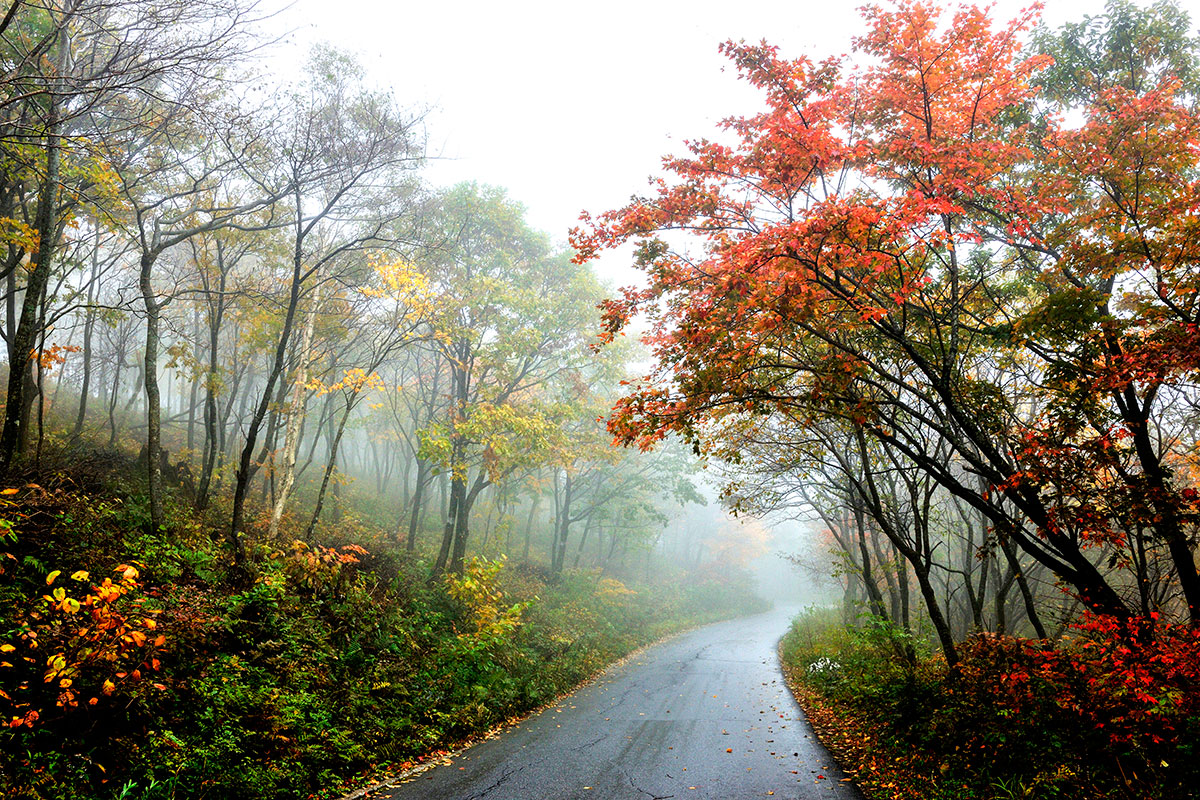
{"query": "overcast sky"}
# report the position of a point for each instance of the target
(570, 105)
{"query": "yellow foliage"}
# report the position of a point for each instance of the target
(96, 632)
(354, 381)
(611, 587)
(400, 282)
(398, 279)
(477, 590)
(19, 234)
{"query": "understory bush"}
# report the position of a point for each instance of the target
(1113, 711)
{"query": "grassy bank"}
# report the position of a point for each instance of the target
(135, 667)
(1104, 714)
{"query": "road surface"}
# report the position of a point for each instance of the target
(704, 715)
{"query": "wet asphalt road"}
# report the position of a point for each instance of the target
(703, 715)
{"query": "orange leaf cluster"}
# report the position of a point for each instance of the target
(99, 641)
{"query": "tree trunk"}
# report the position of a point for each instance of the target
(533, 506)
(23, 338)
(463, 521)
(89, 324)
(112, 403)
(267, 454)
(295, 413)
(562, 528)
(194, 391)
(417, 498)
(330, 465)
(457, 490)
(150, 371)
(245, 470)
(1023, 586)
(945, 639)
(587, 527)
(41, 386)
(873, 594)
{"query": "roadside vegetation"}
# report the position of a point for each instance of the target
(1093, 715)
(139, 665)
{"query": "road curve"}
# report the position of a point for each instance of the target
(704, 715)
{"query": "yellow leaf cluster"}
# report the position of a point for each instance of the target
(96, 632)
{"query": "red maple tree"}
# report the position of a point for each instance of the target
(924, 248)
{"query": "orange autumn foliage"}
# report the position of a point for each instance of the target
(923, 249)
(75, 646)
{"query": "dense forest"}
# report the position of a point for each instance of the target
(311, 468)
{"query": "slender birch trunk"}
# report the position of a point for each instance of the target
(291, 434)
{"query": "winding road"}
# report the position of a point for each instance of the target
(703, 715)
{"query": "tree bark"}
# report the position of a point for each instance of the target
(533, 507)
(562, 527)
(330, 465)
(39, 276)
(457, 490)
(246, 468)
(587, 527)
(150, 373)
(291, 433)
(463, 520)
(1010, 553)
(89, 324)
(417, 498)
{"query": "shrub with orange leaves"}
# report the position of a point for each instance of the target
(320, 569)
(72, 646)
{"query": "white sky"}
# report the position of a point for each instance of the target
(571, 105)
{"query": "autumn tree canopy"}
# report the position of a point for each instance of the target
(978, 254)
